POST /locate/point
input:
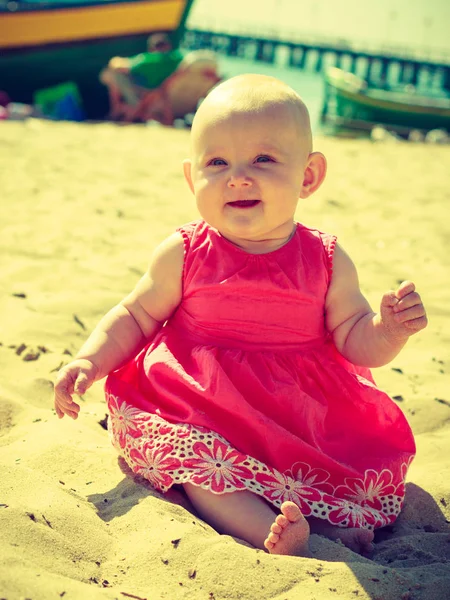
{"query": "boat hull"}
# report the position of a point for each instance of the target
(348, 103)
(42, 48)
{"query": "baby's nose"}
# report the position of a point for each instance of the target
(239, 178)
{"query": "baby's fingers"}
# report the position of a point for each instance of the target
(71, 410)
(82, 383)
(63, 391)
(410, 300)
(389, 300)
(405, 288)
(417, 324)
(63, 396)
(66, 407)
(411, 313)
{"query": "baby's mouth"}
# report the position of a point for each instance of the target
(244, 203)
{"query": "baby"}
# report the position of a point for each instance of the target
(238, 367)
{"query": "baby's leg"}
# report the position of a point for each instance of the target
(245, 515)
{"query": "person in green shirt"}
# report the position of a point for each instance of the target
(125, 77)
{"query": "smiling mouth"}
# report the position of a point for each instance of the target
(243, 203)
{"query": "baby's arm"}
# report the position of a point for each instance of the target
(363, 337)
(126, 328)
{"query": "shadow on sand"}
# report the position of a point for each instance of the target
(404, 551)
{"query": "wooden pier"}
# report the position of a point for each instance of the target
(376, 67)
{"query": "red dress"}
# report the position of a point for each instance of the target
(243, 389)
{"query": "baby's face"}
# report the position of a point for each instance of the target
(247, 171)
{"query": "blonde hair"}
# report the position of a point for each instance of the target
(254, 94)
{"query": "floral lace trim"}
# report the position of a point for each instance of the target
(166, 454)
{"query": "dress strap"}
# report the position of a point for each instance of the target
(194, 235)
(187, 232)
(329, 242)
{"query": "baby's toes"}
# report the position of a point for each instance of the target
(282, 521)
(273, 537)
(291, 511)
(268, 545)
(276, 528)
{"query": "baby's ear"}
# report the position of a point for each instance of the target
(187, 166)
(314, 175)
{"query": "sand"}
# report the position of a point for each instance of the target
(82, 207)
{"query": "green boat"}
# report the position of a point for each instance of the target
(44, 43)
(350, 103)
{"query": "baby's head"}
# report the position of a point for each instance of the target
(251, 157)
(254, 96)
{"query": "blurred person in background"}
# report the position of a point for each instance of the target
(125, 77)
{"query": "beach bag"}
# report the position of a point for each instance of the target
(61, 102)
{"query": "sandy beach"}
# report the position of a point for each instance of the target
(82, 206)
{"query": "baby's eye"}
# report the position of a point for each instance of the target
(263, 158)
(216, 162)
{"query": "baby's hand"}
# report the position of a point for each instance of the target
(402, 312)
(75, 378)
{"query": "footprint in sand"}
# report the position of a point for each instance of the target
(8, 411)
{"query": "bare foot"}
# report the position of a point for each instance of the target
(289, 534)
(357, 539)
